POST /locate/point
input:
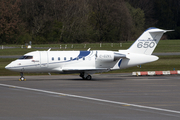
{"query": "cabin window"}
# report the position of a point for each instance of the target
(52, 58)
(26, 57)
(64, 58)
(29, 57)
(58, 58)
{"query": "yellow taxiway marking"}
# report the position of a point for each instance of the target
(12, 87)
(62, 95)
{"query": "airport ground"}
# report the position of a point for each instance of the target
(117, 96)
(167, 50)
(106, 97)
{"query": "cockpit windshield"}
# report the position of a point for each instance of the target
(26, 57)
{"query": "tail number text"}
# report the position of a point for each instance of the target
(146, 44)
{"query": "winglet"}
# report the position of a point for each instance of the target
(89, 49)
(49, 49)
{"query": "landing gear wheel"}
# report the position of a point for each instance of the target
(22, 78)
(85, 76)
(88, 77)
(82, 75)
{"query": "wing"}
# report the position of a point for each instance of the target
(79, 70)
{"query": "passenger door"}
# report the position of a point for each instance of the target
(43, 59)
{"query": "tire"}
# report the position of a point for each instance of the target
(88, 77)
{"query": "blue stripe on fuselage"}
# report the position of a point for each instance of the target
(82, 54)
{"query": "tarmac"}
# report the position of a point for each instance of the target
(105, 97)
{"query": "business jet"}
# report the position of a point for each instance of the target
(89, 62)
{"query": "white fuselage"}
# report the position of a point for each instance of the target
(89, 62)
(75, 61)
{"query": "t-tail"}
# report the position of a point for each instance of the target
(148, 41)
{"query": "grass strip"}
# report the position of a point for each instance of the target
(163, 46)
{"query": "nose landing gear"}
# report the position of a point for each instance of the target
(22, 78)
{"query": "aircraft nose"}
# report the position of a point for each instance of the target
(13, 66)
(8, 66)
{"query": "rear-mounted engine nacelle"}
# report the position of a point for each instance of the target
(108, 56)
(105, 56)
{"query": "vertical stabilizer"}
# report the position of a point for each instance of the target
(148, 41)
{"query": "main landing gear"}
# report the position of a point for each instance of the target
(22, 78)
(85, 76)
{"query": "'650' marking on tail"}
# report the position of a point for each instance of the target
(146, 44)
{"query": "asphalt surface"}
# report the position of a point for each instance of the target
(106, 97)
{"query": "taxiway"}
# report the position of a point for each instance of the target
(107, 97)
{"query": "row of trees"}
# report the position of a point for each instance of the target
(77, 21)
